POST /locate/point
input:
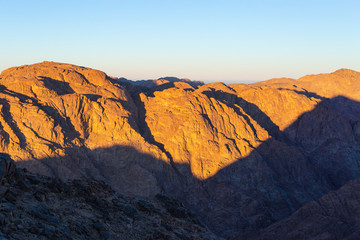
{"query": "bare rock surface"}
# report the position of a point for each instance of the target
(33, 206)
(336, 215)
(240, 156)
(344, 82)
(52, 110)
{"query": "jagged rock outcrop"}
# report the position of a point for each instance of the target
(241, 156)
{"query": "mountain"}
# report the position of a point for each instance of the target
(242, 157)
(341, 82)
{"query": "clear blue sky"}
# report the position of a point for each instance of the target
(207, 40)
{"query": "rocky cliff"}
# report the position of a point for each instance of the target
(241, 156)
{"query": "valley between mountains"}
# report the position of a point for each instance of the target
(278, 159)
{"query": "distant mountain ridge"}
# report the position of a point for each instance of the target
(159, 81)
(242, 157)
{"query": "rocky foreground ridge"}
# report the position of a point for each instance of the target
(39, 207)
(242, 157)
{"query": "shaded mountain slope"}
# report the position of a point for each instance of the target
(288, 172)
(39, 207)
(240, 156)
(333, 216)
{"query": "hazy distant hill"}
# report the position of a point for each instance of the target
(158, 82)
(243, 157)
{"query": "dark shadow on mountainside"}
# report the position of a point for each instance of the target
(319, 152)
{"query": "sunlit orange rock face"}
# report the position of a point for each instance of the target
(199, 130)
(52, 110)
(344, 82)
(241, 156)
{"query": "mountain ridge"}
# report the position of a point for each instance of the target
(241, 156)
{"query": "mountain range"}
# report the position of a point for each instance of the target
(277, 159)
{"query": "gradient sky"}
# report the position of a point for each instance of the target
(230, 41)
